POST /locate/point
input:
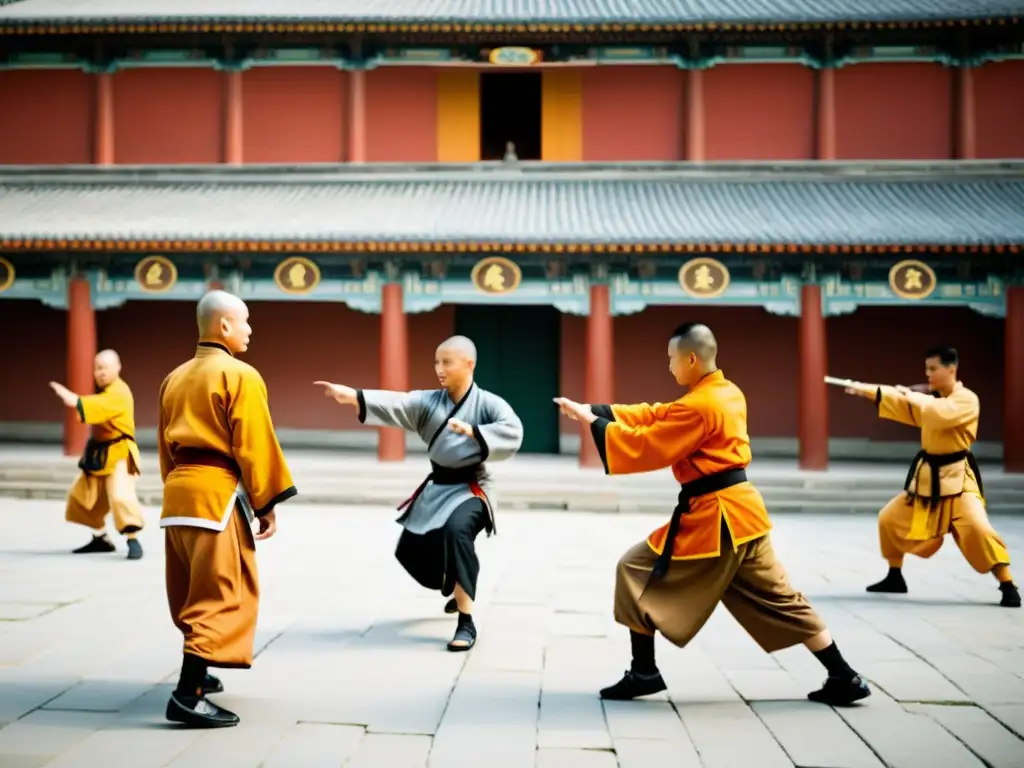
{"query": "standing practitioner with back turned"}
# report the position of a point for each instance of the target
(455, 502)
(716, 547)
(222, 468)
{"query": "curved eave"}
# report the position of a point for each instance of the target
(484, 247)
(64, 26)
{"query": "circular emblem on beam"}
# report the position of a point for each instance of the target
(297, 274)
(496, 275)
(912, 279)
(704, 278)
(6, 274)
(514, 56)
(156, 274)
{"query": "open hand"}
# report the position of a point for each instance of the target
(341, 393)
(575, 411)
(69, 398)
(461, 427)
(266, 526)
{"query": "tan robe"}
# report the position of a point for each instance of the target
(112, 489)
(219, 458)
(914, 522)
(723, 551)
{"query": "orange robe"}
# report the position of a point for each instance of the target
(221, 462)
(109, 486)
(701, 433)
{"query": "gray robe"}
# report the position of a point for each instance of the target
(498, 431)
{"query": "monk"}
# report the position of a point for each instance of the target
(943, 492)
(716, 547)
(456, 501)
(224, 473)
(111, 463)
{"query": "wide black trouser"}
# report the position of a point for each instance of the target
(442, 558)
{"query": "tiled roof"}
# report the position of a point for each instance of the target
(505, 11)
(943, 204)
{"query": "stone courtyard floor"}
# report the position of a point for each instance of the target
(352, 668)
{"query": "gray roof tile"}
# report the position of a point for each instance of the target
(763, 204)
(506, 11)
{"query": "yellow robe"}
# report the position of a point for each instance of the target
(701, 433)
(916, 521)
(219, 458)
(110, 486)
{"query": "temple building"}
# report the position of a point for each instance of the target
(832, 194)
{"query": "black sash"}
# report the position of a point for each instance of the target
(934, 462)
(94, 458)
(702, 486)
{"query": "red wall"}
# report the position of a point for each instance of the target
(894, 111)
(401, 114)
(632, 113)
(758, 351)
(168, 116)
(46, 116)
(759, 112)
(999, 105)
(293, 115)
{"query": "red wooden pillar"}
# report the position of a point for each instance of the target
(965, 130)
(599, 384)
(232, 139)
(812, 416)
(695, 145)
(1013, 393)
(825, 114)
(81, 350)
(103, 120)
(357, 116)
(394, 365)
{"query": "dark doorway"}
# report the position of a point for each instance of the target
(510, 111)
(519, 350)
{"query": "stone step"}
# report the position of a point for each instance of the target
(541, 497)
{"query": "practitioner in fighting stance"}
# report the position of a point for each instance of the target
(443, 517)
(944, 491)
(672, 582)
(223, 469)
(111, 463)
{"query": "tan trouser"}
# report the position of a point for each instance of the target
(213, 590)
(751, 583)
(92, 497)
(981, 546)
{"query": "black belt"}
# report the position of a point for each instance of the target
(444, 476)
(934, 462)
(702, 486)
(94, 457)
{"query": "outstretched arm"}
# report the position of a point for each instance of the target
(380, 407)
(637, 415)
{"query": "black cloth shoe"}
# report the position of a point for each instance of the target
(98, 544)
(1011, 595)
(212, 684)
(465, 634)
(841, 691)
(893, 583)
(634, 684)
(134, 550)
(451, 606)
(198, 712)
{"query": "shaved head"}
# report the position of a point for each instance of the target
(106, 367)
(454, 364)
(224, 318)
(692, 353)
(461, 344)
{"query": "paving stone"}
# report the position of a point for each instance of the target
(912, 681)
(47, 734)
(99, 695)
(312, 745)
(377, 750)
(644, 720)
(985, 736)
(645, 753)
(906, 740)
(730, 734)
(575, 758)
(815, 735)
(570, 720)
